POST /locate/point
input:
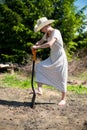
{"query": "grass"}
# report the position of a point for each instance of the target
(15, 81)
(78, 89)
(21, 81)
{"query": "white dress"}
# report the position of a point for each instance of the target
(53, 70)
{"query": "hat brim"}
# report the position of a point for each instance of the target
(36, 29)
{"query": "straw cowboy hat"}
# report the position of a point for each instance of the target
(42, 22)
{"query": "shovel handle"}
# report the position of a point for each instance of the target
(34, 54)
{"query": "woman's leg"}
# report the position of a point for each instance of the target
(63, 100)
(39, 89)
(63, 95)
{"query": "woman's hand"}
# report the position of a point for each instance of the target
(37, 43)
(35, 47)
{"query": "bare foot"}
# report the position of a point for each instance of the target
(37, 92)
(62, 103)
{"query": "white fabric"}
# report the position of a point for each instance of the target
(53, 70)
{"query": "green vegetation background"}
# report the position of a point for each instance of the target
(17, 20)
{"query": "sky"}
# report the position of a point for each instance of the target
(80, 4)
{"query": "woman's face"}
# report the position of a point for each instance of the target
(45, 29)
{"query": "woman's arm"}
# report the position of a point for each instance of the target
(39, 42)
(45, 45)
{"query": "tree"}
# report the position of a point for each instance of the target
(17, 20)
(15, 34)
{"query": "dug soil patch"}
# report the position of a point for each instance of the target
(16, 113)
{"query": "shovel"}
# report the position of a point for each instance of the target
(32, 79)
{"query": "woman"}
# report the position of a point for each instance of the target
(53, 70)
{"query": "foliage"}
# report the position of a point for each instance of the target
(14, 32)
(17, 20)
(81, 39)
(78, 89)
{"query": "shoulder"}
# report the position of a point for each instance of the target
(56, 31)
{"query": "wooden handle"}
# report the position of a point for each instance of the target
(34, 54)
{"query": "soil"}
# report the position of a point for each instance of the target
(16, 112)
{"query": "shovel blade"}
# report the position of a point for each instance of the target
(33, 101)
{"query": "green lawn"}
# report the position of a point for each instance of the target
(20, 81)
